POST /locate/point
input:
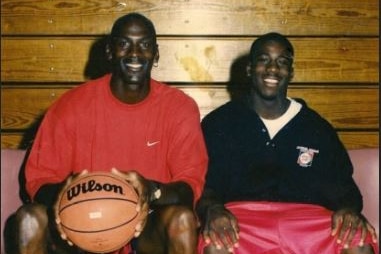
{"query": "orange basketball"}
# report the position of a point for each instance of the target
(98, 212)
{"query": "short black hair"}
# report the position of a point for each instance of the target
(273, 36)
(120, 22)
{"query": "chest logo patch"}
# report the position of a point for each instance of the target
(306, 156)
(152, 143)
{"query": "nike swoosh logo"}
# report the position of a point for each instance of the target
(152, 143)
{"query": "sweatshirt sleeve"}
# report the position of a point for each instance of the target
(346, 193)
(187, 156)
(48, 159)
(336, 183)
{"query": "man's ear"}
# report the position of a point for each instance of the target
(292, 73)
(248, 69)
(108, 51)
(157, 55)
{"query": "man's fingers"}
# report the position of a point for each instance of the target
(348, 238)
(336, 222)
(83, 172)
(372, 232)
(363, 236)
(117, 172)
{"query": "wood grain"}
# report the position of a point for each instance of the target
(357, 140)
(194, 17)
(70, 59)
(345, 108)
(12, 140)
(50, 46)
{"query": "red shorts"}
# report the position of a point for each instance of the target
(285, 228)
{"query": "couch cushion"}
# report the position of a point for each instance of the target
(11, 161)
(366, 175)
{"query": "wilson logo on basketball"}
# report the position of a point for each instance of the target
(92, 186)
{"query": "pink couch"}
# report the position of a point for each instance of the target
(11, 161)
(366, 174)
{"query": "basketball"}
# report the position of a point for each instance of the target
(98, 212)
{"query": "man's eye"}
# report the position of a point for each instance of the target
(122, 44)
(145, 45)
(119, 42)
(283, 61)
(262, 59)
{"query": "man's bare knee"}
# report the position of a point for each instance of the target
(35, 210)
(170, 230)
(181, 225)
(180, 219)
(31, 228)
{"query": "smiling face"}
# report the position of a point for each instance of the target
(270, 69)
(133, 51)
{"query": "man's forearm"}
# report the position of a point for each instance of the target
(47, 194)
(176, 193)
(208, 199)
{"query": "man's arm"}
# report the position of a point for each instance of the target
(174, 193)
(47, 194)
(208, 200)
(346, 199)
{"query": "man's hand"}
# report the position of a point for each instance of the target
(142, 187)
(68, 181)
(346, 222)
(221, 228)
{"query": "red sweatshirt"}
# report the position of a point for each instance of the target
(88, 128)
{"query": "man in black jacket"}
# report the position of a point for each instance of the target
(279, 179)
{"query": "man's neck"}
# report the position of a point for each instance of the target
(269, 109)
(129, 93)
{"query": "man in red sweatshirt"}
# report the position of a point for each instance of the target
(128, 124)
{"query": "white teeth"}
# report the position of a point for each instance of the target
(134, 65)
(269, 80)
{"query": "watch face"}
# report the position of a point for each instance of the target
(155, 192)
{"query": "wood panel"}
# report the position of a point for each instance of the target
(356, 140)
(194, 17)
(188, 60)
(351, 140)
(12, 140)
(49, 46)
(345, 108)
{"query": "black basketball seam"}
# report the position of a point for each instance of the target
(97, 231)
(92, 199)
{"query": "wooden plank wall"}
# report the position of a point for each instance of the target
(50, 46)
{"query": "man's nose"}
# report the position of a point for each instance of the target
(134, 51)
(272, 66)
